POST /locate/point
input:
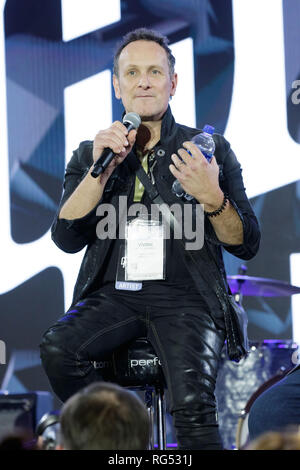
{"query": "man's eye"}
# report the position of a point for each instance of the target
(155, 71)
(131, 72)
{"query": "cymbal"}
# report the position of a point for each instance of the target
(260, 286)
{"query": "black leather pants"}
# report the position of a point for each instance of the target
(186, 340)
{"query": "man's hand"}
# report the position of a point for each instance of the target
(200, 178)
(90, 190)
(197, 176)
(117, 138)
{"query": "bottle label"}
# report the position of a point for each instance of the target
(206, 155)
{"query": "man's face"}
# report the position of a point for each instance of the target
(144, 83)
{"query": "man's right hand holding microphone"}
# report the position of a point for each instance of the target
(110, 147)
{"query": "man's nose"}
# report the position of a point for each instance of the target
(144, 81)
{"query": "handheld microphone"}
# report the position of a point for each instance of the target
(130, 121)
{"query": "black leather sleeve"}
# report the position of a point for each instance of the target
(73, 235)
(231, 182)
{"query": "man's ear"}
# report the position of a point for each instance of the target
(174, 81)
(116, 87)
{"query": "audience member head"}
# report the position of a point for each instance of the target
(104, 416)
(18, 440)
(287, 440)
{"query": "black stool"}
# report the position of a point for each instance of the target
(135, 365)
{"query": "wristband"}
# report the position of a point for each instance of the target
(220, 210)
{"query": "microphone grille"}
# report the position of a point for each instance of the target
(133, 118)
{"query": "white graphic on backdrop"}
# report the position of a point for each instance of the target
(20, 262)
(257, 124)
(295, 280)
(88, 108)
(83, 16)
(183, 103)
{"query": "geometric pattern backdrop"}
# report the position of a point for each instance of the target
(41, 64)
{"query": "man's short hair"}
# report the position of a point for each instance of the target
(144, 34)
(104, 416)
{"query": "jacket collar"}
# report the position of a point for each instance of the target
(168, 126)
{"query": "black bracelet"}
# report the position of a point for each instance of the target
(218, 211)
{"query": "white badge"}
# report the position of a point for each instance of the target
(144, 250)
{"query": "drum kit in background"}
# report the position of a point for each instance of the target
(240, 384)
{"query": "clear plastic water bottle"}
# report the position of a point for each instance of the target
(206, 144)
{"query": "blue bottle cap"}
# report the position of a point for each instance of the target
(208, 129)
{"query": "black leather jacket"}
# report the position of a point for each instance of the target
(72, 236)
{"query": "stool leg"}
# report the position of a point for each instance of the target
(161, 419)
(149, 405)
